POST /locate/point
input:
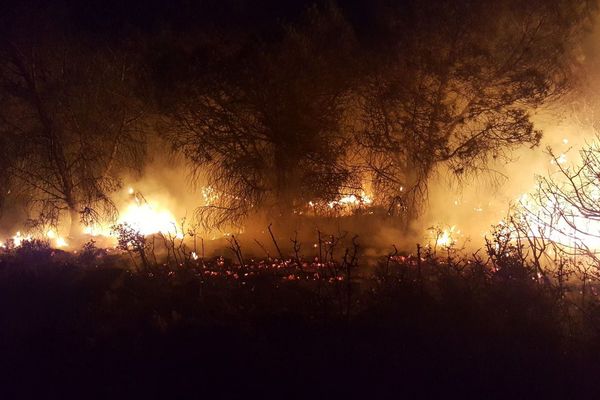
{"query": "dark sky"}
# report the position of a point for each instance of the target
(113, 19)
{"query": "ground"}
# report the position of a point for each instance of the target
(100, 330)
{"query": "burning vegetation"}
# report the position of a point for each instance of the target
(203, 168)
(315, 111)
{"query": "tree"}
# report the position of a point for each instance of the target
(265, 122)
(453, 84)
(391, 97)
(70, 121)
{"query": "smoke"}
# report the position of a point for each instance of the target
(479, 202)
(470, 206)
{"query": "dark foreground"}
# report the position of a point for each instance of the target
(87, 328)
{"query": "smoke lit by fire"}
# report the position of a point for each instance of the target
(463, 210)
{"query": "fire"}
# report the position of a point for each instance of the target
(149, 219)
(344, 205)
(54, 239)
(95, 230)
(59, 241)
(146, 217)
(351, 200)
(446, 237)
(580, 231)
(18, 239)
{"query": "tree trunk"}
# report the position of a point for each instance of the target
(74, 228)
(287, 180)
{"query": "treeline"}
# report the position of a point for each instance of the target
(274, 105)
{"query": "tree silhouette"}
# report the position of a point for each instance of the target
(454, 84)
(265, 123)
(303, 109)
(326, 107)
(70, 122)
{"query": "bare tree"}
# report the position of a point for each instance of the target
(71, 123)
(566, 206)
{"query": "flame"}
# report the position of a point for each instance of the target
(146, 217)
(18, 239)
(59, 241)
(345, 204)
(558, 230)
(351, 200)
(95, 230)
(149, 219)
(447, 237)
